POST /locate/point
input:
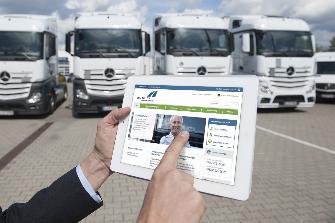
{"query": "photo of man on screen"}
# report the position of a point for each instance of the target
(176, 123)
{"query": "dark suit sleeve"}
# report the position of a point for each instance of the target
(63, 201)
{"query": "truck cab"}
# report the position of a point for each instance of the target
(107, 48)
(28, 65)
(325, 71)
(192, 44)
(279, 51)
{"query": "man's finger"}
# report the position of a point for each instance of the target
(171, 155)
(188, 178)
(114, 116)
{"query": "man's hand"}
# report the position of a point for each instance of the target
(96, 165)
(170, 196)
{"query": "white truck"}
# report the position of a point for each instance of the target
(280, 52)
(28, 65)
(64, 66)
(107, 49)
(325, 79)
(191, 44)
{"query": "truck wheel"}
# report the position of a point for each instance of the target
(75, 114)
(65, 94)
(52, 104)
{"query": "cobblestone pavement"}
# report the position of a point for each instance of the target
(291, 181)
(12, 134)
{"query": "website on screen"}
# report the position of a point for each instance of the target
(210, 114)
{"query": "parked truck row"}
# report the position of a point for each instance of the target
(107, 48)
(28, 65)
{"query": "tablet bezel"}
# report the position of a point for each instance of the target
(244, 161)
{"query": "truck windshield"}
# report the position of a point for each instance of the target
(21, 46)
(326, 67)
(284, 43)
(95, 43)
(198, 42)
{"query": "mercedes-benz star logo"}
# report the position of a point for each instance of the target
(109, 72)
(290, 71)
(4, 76)
(202, 70)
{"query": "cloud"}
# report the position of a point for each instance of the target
(127, 6)
(72, 4)
(314, 10)
(173, 5)
(323, 38)
(198, 11)
(64, 26)
(87, 5)
(45, 7)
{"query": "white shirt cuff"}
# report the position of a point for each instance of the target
(87, 185)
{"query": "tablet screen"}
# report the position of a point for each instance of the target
(210, 114)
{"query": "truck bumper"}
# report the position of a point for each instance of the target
(286, 101)
(325, 94)
(21, 107)
(94, 103)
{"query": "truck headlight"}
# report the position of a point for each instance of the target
(311, 88)
(264, 87)
(34, 98)
(272, 72)
(81, 94)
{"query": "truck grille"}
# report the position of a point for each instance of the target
(99, 84)
(297, 98)
(280, 80)
(193, 70)
(299, 72)
(325, 86)
(289, 82)
(14, 91)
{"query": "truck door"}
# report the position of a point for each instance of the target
(50, 54)
(237, 54)
(160, 52)
(249, 59)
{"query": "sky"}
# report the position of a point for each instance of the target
(319, 14)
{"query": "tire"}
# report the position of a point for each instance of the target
(75, 114)
(52, 104)
(65, 95)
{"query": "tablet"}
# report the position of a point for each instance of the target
(218, 112)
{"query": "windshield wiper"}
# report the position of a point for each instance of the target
(26, 56)
(92, 53)
(185, 50)
(101, 53)
(132, 53)
(275, 54)
(219, 52)
(301, 52)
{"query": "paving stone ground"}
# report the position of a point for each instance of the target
(291, 182)
(11, 134)
(314, 125)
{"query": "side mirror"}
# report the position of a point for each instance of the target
(147, 43)
(162, 42)
(246, 43)
(68, 42)
(231, 42)
(313, 43)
